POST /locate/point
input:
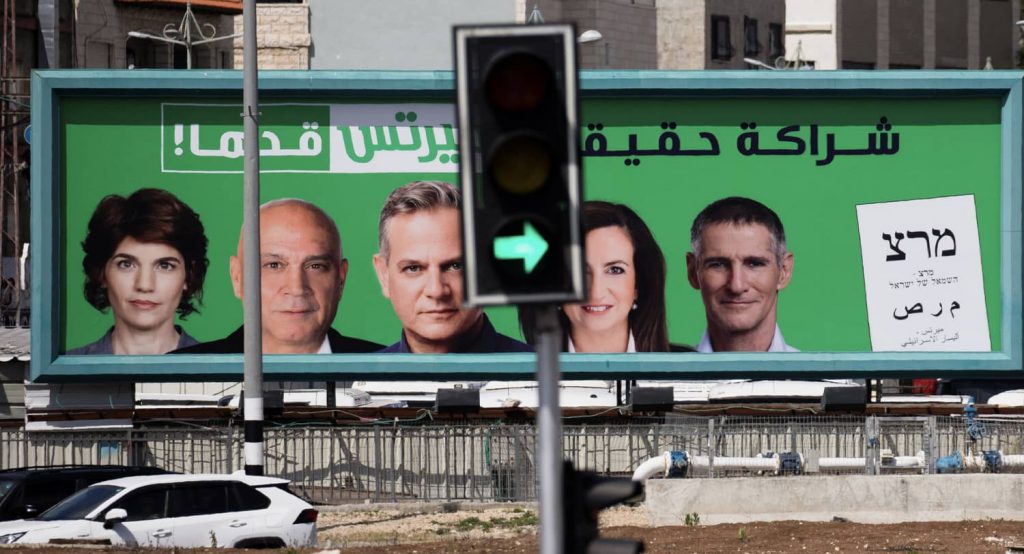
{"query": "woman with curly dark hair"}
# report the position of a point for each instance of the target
(145, 258)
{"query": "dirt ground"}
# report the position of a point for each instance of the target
(513, 530)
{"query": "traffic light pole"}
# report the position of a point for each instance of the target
(549, 431)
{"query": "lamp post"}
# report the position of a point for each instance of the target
(185, 33)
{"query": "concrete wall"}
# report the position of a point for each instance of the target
(102, 27)
(858, 32)
(282, 36)
(927, 34)
(398, 34)
(951, 26)
(811, 29)
(630, 30)
(858, 498)
(906, 31)
(997, 39)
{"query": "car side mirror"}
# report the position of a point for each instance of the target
(113, 517)
(30, 511)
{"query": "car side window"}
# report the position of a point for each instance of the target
(143, 504)
(43, 493)
(197, 500)
(243, 498)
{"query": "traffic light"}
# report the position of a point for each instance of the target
(585, 494)
(520, 172)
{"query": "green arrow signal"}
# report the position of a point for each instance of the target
(529, 247)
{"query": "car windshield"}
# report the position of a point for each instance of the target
(78, 505)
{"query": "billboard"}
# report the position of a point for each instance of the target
(824, 151)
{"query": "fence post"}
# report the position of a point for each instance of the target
(931, 443)
(229, 450)
(711, 447)
(377, 452)
(872, 446)
(447, 463)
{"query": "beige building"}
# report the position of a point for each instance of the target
(719, 34)
(903, 34)
(282, 36)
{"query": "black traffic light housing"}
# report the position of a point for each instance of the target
(520, 171)
(585, 494)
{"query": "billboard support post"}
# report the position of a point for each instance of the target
(549, 430)
(253, 352)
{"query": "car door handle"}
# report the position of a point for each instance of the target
(161, 533)
(237, 524)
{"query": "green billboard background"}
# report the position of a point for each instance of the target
(948, 146)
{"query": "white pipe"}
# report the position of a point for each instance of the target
(702, 462)
(1012, 460)
(834, 464)
(651, 467)
(906, 462)
(723, 462)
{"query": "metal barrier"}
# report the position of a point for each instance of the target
(495, 461)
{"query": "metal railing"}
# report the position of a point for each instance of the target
(496, 461)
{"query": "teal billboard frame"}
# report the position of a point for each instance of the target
(50, 87)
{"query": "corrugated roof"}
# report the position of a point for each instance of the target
(15, 343)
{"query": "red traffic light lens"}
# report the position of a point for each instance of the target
(518, 82)
(521, 164)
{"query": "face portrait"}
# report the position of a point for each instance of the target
(302, 278)
(612, 291)
(144, 282)
(739, 278)
(422, 276)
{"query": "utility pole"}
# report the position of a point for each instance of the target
(251, 305)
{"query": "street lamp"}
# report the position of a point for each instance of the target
(186, 30)
(759, 63)
(590, 35)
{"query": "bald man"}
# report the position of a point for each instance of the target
(302, 276)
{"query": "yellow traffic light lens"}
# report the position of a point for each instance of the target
(521, 165)
(518, 82)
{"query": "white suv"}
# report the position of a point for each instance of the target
(175, 510)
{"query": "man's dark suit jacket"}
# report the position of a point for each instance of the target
(234, 343)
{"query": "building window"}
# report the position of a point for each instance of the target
(139, 52)
(750, 45)
(776, 45)
(721, 43)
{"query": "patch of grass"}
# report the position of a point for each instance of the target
(520, 519)
(742, 535)
(470, 523)
(692, 520)
(524, 518)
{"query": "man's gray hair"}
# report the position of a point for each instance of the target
(325, 220)
(737, 210)
(417, 196)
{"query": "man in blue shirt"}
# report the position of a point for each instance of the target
(419, 267)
